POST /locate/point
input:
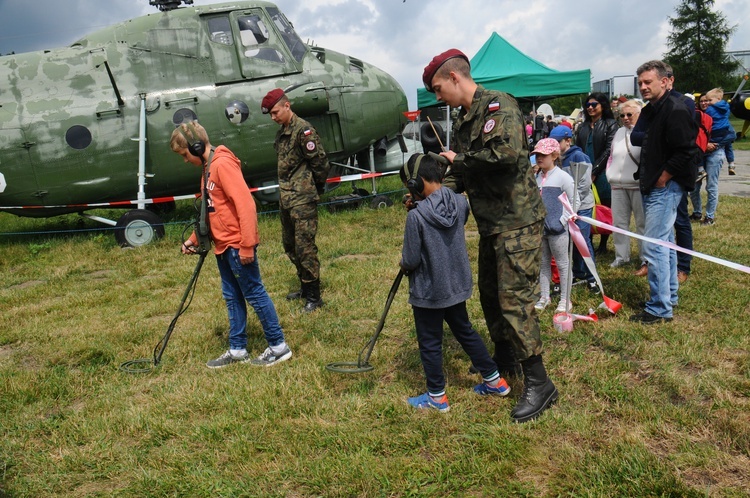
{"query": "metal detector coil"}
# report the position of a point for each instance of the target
(363, 362)
(144, 365)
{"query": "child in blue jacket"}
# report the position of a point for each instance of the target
(722, 132)
(435, 258)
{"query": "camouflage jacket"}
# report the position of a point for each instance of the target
(492, 164)
(302, 163)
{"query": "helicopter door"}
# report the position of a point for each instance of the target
(261, 51)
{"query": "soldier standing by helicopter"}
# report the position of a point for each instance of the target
(302, 169)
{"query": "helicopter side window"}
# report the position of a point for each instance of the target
(220, 30)
(254, 38)
(290, 37)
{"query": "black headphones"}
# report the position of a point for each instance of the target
(414, 182)
(196, 147)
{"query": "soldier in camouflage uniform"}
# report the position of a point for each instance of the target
(302, 169)
(490, 162)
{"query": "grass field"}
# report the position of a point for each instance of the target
(643, 411)
(742, 143)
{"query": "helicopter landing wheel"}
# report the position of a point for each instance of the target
(138, 227)
(381, 201)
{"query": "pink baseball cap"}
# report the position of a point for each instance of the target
(546, 146)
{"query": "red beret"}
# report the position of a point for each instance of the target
(271, 99)
(436, 62)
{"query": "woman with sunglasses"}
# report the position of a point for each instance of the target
(626, 194)
(594, 137)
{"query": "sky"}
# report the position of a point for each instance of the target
(609, 37)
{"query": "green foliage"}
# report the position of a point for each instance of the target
(566, 105)
(697, 43)
(643, 411)
(35, 249)
(561, 105)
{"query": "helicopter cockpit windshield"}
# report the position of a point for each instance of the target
(290, 37)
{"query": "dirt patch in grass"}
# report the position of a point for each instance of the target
(354, 257)
(5, 352)
(717, 479)
(96, 488)
(100, 274)
(26, 285)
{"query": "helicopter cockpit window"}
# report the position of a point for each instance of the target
(292, 40)
(254, 37)
(221, 30)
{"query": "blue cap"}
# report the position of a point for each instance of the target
(559, 132)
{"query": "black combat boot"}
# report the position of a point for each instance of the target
(538, 391)
(506, 361)
(312, 296)
(298, 294)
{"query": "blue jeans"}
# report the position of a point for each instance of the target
(580, 270)
(660, 208)
(712, 163)
(240, 283)
(729, 152)
(683, 235)
(429, 325)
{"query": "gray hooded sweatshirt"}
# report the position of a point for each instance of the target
(435, 251)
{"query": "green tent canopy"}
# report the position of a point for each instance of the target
(500, 66)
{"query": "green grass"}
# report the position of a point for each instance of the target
(643, 411)
(744, 142)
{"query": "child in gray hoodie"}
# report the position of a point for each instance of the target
(435, 258)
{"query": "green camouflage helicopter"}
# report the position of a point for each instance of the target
(88, 126)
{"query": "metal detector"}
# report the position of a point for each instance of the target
(363, 362)
(203, 234)
(142, 365)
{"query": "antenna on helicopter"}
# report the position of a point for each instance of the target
(165, 5)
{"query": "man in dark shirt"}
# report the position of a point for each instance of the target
(669, 158)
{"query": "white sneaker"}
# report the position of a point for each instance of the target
(269, 358)
(227, 359)
(618, 262)
(542, 304)
(564, 307)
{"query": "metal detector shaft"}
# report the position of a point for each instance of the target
(363, 363)
(371, 345)
(162, 345)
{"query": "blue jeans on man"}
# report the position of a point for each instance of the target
(240, 283)
(660, 208)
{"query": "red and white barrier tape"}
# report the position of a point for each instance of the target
(670, 245)
(158, 200)
(563, 322)
(583, 249)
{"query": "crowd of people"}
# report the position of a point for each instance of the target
(639, 160)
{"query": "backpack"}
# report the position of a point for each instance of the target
(705, 122)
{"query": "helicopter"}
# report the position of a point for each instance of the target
(88, 126)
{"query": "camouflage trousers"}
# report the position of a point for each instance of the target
(299, 225)
(509, 264)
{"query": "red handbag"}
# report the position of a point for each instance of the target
(600, 213)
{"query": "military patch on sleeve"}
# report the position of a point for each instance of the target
(310, 146)
(494, 106)
(489, 126)
(307, 132)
